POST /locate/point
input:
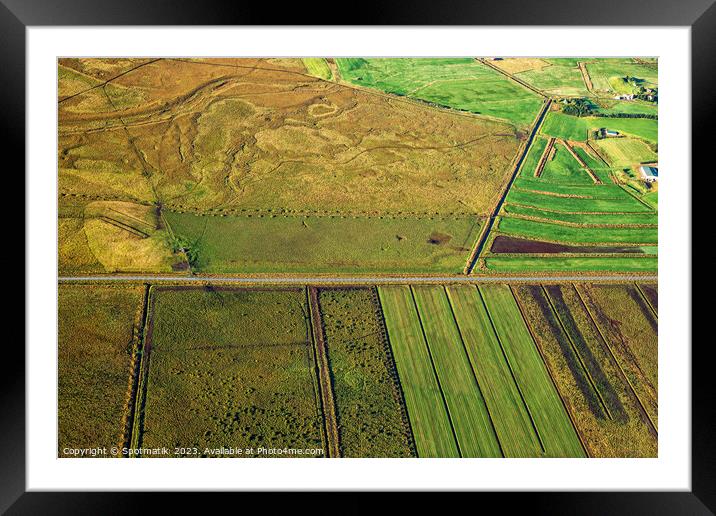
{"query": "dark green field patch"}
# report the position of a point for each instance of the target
(367, 392)
(231, 368)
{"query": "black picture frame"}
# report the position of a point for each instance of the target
(700, 15)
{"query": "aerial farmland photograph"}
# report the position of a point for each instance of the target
(357, 257)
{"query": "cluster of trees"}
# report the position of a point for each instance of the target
(578, 107)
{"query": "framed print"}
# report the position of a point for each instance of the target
(430, 254)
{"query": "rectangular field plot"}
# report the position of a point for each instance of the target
(603, 218)
(628, 324)
(496, 263)
(607, 414)
(230, 367)
(623, 152)
(557, 435)
(466, 406)
(427, 411)
(460, 83)
(372, 419)
(572, 234)
(507, 409)
(564, 168)
(618, 204)
(326, 244)
(98, 330)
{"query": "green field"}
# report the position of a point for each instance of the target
(567, 127)
(368, 396)
(97, 328)
(605, 72)
(318, 67)
(563, 168)
(326, 244)
(578, 129)
(561, 78)
(623, 152)
(591, 190)
(231, 367)
(531, 161)
(625, 203)
(557, 435)
(562, 264)
(583, 235)
(459, 83)
(627, 106)
(466, 406)
(508, 412)
(427, 412)
(583, 218)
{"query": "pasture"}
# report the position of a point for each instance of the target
(468, 413)
(372, 420)
(459, 83)
(325, 243)
(98, 331)
(624, 152)
(427, 412)
(239, 364)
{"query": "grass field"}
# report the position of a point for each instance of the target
(605, 72)
(466, 406)
(318, 67)
(587, 191)
(563, 126)
(231, 368)
(459, 83)
(560, 264)
(225, 132)
(326, 244)
(605, 218)
(563, 168)
(577, 129)
(97, 336)
(531, 162)
(557, 435)
(603, 436)
(367, 392)
(623, 152)
(427, 412)
(508, 412)
(560, 78)
(584, 235)
(624, 203)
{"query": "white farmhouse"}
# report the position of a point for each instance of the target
(649, 174)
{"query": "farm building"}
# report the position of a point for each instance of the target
(604, 132)
(649, 174)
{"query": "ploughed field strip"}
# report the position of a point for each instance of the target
(554, 370)
(588, 365)
(423, 353)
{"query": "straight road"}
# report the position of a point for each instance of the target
(477, 250)
(357, 280)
